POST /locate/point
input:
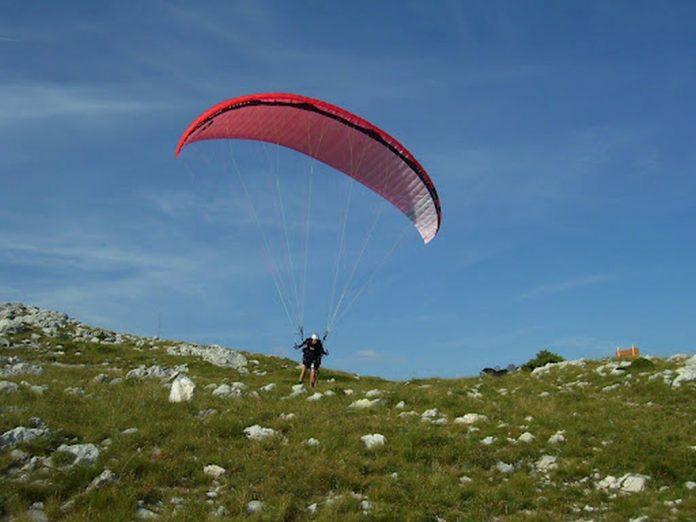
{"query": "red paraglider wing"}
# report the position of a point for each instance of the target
(333, 136)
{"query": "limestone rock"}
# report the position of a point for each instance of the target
(214, 354)
(84, 453)
(257, 432)
(373, 440)
(214, 471)
(19, 435)
(470, 418)
(182, 390)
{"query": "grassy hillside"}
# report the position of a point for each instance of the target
(602, 421)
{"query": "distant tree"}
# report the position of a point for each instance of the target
(542, 357)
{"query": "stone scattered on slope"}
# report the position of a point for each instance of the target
(235, 390)
(268, 388)
(214, 471)
(8, 387)
(430, 414)
(130, 431)
(142, 513)
(214, 354)
(546, 463)
(19, 435)
(17, 318)
(629, 483)
(526, 437)
(182, 389)
(84, 453)
(470, 418)
(14, 366)
(37, 389)
(373, 393)
(611, 387)
(613, 368)
(488, 440)
(254, 506)
(156, 372)
(315, 397)
(74, 391)
(312, 442)
(557, 437)
(363, 403)
(106, 477)
(504, 467)
(36, 512)
(373, 440)
(257, 432)
(563, 364)
(400, 405)
(297, 389)
(686, 373)
(634, 483)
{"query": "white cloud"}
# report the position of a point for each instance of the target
(564, 286)
(369, 354)
(34, 101)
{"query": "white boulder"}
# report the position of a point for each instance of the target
(363, 403)
(557, 437)
(182, 390)
(686, 373)
(254, 506)
(470, 418)
(214, 471)
(526, 437)
(235, 390)
(84, 453)
(214, 354)
(373, 440)
(504, 467)
(257, 432)
(546, 463)
(8, 387)
(106, 477)
(19, 435)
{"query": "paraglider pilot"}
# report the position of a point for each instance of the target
(312, 352)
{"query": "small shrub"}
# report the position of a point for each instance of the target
(62, 458)
(641, 364)
(542, 357)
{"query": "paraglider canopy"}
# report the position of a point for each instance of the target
(333, 136)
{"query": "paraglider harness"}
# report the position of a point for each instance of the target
(311, 352)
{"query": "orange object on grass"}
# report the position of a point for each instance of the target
(627, 353)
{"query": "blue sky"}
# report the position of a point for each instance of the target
(559, 135)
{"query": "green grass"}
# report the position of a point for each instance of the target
(613, 432)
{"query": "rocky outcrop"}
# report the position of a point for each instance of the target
(214, 354)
